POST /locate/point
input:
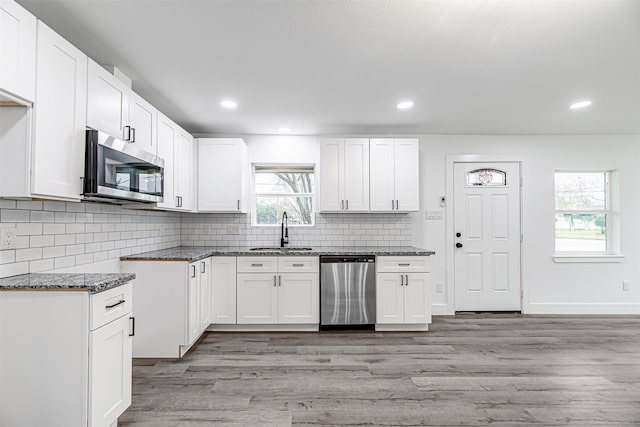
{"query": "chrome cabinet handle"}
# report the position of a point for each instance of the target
(404, 264)
(402, 280)
(193, 269)
(203, 266)
(347, 205)
(133, 326)
(256, 265)
(341, 204)
(279, 280)
(238, 204)
(108, 307)
(274, 280)
(406, 282)
(133, 135)
(392, 204)
(298, 265)
(127, 133)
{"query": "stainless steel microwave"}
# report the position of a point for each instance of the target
(116, 170)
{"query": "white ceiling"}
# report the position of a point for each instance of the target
(340, 67)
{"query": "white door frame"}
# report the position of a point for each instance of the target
(451, 159)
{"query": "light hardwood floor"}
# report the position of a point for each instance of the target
(472, 370)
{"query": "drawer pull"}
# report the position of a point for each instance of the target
(404, 265)
(256, 265)
(108, 307)
(298, 265)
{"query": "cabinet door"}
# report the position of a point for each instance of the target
(184, 170)
(205, 293)
(143, 119)
(60, 117)
(381, 174)
(407, 176)
(356, 175)
(17, 50)
(220, 175)
(331, 175)
(298, 298)
(193, 304)
(166, 151)
(417, 298)
(389, 298)
(257, 298)
(107, 102)
(223, 290)
(109, 372)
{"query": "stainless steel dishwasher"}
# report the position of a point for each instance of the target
(347, 292)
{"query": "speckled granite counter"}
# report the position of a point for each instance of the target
(93, 282)
(191, 254)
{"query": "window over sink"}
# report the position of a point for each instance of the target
(283, 188)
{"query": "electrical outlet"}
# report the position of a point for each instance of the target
(626, 286)
(433, 215)
(233, 228)
(439, 288)
(7, 238)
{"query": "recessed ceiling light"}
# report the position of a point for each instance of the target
(580, 104)
(227, 103)
(405, 105)
(284, 129)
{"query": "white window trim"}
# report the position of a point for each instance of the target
(612, 254)
(288, 166)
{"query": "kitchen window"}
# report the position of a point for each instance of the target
(279, 189)
(585, 223)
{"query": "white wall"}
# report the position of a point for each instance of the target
(548, 287)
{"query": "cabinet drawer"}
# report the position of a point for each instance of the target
(110, 305)
(257, 264)
(403, 264)
(298, 264)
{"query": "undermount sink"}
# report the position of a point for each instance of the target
(276, 249)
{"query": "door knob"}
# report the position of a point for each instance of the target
(458, 245)
(458, 234)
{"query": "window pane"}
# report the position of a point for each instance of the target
(580, 191)
(284, 182)
(581, 233)
(269, 209)
(487, 177)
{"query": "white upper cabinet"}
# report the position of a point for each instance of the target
(222, 175)
(184, 170)
(344, 175)
(60, 118)
(17, 50)
(394, 185)
(167, 131)
(143, 118)
(107, 103)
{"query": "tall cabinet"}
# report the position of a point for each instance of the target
(394, 175)
(60, 118)
(344, 175)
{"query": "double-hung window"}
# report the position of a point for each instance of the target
(583, 214)
(280, 189)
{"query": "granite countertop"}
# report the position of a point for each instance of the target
(191, 254)
(91, 282)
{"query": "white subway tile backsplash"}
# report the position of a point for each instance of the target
(14, 215)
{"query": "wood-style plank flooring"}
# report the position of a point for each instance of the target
(470, 370)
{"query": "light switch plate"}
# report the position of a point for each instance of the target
(626, 286)
(433, 215)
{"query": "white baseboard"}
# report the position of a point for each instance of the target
(582, 308)
(264, 328)
(440, 310)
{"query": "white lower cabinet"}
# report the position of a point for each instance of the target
(173, 305)
(403, 296)
(278, 296)
(223, 290)
(76, 370)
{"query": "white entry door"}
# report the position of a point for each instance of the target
(487, 236)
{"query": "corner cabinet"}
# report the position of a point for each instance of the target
(394, 185)
(59, 117)
(17, 50)
(403, 293)
(80, 375)
(222, 175)
(172, 305)
(344, 175)
(278, 290)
